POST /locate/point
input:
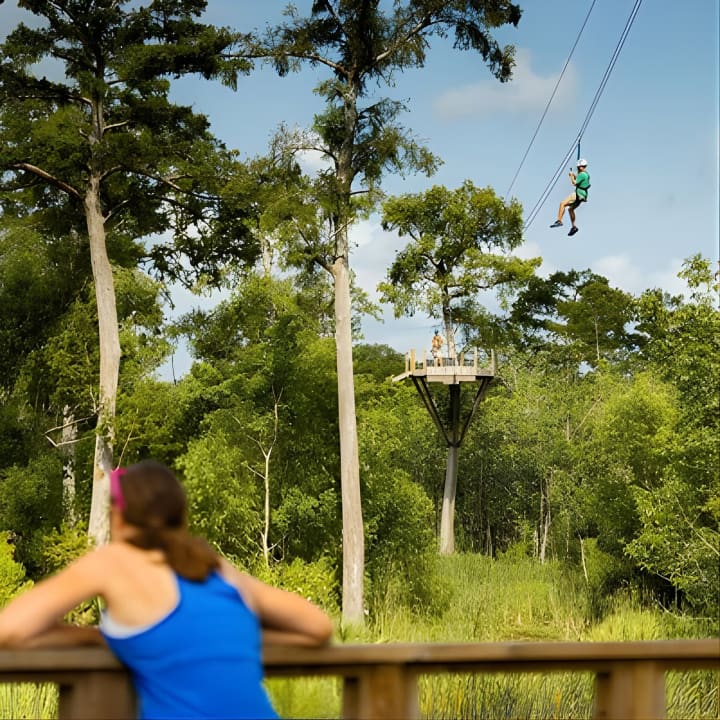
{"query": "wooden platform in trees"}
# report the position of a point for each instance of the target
(465, 367)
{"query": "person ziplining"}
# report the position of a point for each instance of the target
(581, 183)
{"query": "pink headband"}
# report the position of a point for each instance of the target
(116, 493)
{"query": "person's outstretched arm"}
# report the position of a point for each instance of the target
(34, 619)
(62, 635)
(285, 617)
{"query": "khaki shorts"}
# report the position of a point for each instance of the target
(573, 200)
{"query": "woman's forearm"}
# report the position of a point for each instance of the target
(65, 636)
(281, 637)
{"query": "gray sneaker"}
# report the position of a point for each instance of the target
(573, 230)
(557, 223)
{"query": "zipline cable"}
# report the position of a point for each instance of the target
(547, 107)
(608, 71)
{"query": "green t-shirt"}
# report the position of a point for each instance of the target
(582, 183)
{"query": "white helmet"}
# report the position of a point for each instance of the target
(582, 162)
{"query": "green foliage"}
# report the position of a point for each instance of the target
(109, 128)
(37, 283)
(12, 573)
(58, 548)
(605, 573)
(680, 540)
(399, 516)
(680, 514)
(31, 505)
(223, 498)
(307, 524)
(575, 317)
(315, 697)
(316, 581)
(461, 242)
(61, 546)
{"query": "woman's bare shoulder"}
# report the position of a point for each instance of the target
(102, 561)
(241, 581)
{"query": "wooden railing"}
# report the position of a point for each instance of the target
(380, 681)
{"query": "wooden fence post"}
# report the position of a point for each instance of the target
(382, 692)
(97, 694)
(630, 691)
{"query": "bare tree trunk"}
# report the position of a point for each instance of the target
(582, 557)
(266, 477)
(597, 340)
(353, 533)
(266, 525)
(69, 437)
(545, 518)
(99, 525)
(447, 520)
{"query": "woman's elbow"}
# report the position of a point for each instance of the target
(322, 630)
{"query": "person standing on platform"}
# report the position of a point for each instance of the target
(436, 348)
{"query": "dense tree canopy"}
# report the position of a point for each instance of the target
(105, 152)
(596, 447)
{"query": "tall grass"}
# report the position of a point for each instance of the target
(21, 701)
(519, 599)
(306, 697)
(516, 598)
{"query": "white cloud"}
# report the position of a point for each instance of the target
(311, 161)
(623, 274)
(374, 252)
(527, 91)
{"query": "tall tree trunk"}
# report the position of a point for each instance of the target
(545, 517)
(353, 533)
(99, 525)
(447, 518)
(265, 534)
(69, 437)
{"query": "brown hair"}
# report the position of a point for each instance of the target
(154, 503)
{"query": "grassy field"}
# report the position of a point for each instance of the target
(513, 599)
(488, 600)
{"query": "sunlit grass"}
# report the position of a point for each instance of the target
(27, 701)
(306, 697)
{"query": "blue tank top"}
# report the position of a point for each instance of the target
(202, 660)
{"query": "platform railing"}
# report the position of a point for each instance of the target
(469, 360)
(380, 681)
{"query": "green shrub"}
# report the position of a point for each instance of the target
(12, 573)
(316, 581)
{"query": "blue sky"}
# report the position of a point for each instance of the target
(651, 144)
